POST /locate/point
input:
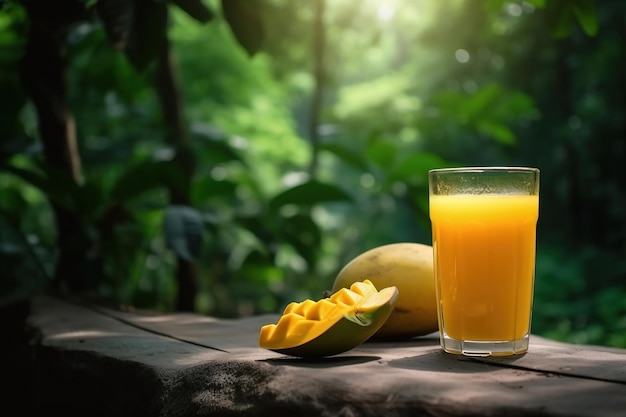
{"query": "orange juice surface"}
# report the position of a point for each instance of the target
(484, 263)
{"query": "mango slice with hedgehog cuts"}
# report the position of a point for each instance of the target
(333, 325)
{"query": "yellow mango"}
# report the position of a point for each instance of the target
(333, 325)
(408, 266)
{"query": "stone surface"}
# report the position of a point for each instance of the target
(95, 361)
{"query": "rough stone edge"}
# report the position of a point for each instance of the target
(83, 383)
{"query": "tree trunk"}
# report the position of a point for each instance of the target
(176, 134)
(42, 73)
(572, 164)
(319, 77)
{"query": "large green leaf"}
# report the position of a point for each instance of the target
(303, 234)
(497, 5)
(216, 151)
(195, 9)
(184, 227)
(499, 131)
(260, 228)
(563, 14)
(12, 204)
(146, 176)
(34, 177)
(452, 106)
(245, 21)
(586, 15)
(414, 167)
(491, 110)
(345, 154)
(308, 194)
(559, 17)
(479, 103)
(382, 152)
(207, 188)
(59, 187)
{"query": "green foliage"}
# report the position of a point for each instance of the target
(145, 176)
(184, 231)
(488, 111)
(244, 20)
(573, 308)
(273, 215)
(139, 27)
(307, 194)
(563, 15)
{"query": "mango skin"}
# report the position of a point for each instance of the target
(342, 337)
(408, 266)
(330, 326)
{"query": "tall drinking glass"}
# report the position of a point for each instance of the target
(484, 222)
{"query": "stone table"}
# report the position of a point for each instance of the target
(96, 361)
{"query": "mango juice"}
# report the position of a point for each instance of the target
(485, 263)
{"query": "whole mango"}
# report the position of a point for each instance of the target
(409, 267)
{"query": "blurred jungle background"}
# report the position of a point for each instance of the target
(227, 157)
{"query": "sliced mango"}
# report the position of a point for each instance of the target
(315, 329)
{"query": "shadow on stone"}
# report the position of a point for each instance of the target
(332, 361)
(439, 361)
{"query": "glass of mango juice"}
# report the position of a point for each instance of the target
(484, 222)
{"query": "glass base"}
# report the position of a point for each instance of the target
(484, 348)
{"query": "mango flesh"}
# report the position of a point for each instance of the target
(314, 329)
(409, 267)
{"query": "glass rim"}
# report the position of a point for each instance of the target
(479, 169)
